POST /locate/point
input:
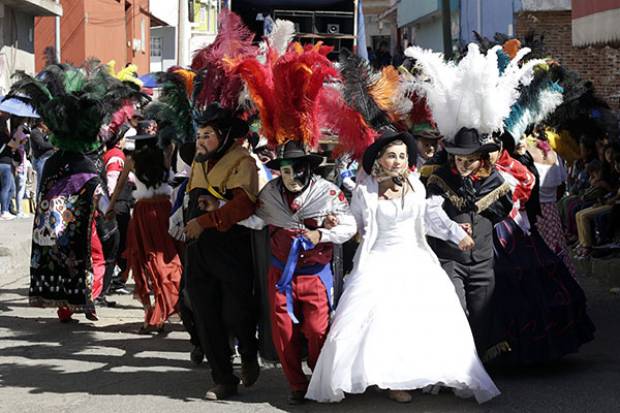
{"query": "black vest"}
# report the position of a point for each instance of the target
(482, 204)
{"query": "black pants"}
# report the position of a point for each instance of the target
(220, 281)
(123, 225)
(107, 229)
(185, 309)
(474, 284)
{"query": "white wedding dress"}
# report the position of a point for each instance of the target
(399, 324)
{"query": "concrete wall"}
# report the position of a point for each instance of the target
(16, 45)
(486, 17)
(167, 34)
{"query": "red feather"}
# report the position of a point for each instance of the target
(354, 134)
(234, 40)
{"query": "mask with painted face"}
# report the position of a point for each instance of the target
(295, 175)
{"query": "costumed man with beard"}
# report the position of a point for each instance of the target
(65, 247)
(222, 190)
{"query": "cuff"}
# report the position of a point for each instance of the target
(457, 234)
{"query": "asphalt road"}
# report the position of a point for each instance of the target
(105, 366)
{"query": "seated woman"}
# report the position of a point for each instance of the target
(604, 205)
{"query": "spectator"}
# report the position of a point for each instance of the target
(371, 55)
(41, 148)
(8, 156)
(383, 57)
(602, 206)
(21, 135)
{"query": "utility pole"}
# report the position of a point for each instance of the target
(446, 15)
(183, 34)
(57, 24)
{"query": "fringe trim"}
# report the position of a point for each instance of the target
(142, 192)
(457, 201)
(488, 200)
(36, 301)
(496, 351)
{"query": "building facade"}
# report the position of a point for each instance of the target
(164, 32)
(17, 35)
(553, 19)
(116, 30)
(421, 23)
(380, 23)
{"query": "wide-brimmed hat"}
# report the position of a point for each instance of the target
(228, 125)
(425, 131)
(469, 141)
(372, 152)
(293, 151)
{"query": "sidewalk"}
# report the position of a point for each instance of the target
(15, 239)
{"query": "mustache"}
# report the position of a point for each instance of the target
(201, 157)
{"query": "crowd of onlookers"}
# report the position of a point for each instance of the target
(590, 208)
(24, 148)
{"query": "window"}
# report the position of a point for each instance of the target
(155, 46)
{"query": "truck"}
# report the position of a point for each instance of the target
(333, 22)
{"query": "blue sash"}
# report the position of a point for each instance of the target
(285, 283)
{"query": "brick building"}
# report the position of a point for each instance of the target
(599, 64)
(107, 29)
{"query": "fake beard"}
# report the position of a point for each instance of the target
(201, 157)
(381, 174)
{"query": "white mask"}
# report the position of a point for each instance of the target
(287, 172)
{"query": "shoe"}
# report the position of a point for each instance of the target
(64, 315)
(400, 396)
(102, 301)
(23, 215)
(149, 329)
(118, 288)
(197, 355)
(7, 216)
(250, 371)
(91, 315)
(221, 392)
(297, 397)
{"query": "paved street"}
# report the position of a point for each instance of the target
(46, 366)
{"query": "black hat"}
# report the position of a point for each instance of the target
(293, 150)
(468, 141)
(146, 134)
(372, 152)
(228, 125)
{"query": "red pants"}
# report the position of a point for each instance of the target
(312, 311)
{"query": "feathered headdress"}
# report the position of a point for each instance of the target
(475, 93)
(233, 41)
(294, 101)
(537, 101)
(368, 91)
(173, 111)
(73, 102)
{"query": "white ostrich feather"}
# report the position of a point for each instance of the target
(472, 93)
(282, 35)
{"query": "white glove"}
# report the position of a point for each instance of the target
(176, 225)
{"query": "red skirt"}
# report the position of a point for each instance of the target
(153, 258)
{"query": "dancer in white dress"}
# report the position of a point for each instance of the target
(399, 324)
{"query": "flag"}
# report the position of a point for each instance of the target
(361, 32)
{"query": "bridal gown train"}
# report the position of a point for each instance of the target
(399, 324)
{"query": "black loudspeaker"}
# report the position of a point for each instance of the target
(333, 28)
